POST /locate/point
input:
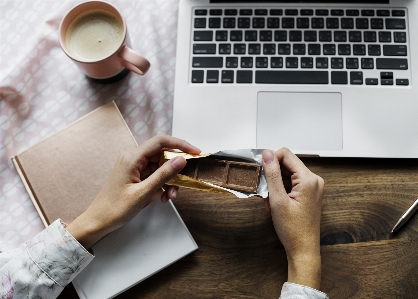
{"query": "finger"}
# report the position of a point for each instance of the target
(290, 161)
(273, 174)
(161, 176)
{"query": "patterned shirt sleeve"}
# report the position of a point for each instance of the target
(43, 266)
(297, 291)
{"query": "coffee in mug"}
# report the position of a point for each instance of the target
(94, 35)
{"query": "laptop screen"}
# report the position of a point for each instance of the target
(304, 1)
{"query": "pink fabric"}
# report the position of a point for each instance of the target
(42, 91)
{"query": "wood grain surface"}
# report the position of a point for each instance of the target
(240, 256)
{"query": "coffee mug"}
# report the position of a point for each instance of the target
(94, 35)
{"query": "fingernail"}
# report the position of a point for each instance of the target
(178, 163)
(174, 193)
(268, 156)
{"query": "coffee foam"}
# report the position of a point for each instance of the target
(94, 35)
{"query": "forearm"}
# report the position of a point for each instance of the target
(305, 270)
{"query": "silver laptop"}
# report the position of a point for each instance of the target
(322, 78)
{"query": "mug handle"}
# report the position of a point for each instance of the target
(134, 61)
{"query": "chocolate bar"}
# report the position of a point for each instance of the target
(240, 176)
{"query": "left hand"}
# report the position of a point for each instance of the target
(135, 181)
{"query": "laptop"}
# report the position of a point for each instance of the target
(323, 78)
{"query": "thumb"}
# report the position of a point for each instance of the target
(273, 175)
(162, 175)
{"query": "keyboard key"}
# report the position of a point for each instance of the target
(229, 22)
(339, 77)
(306, 62)
(344, 50)
(295, 35)
(376, 23)
(261, 12)
(266, 35)
(276, 62)
(340, 36)
(370, 36)
(231, 12)
(395, 24)
(224, 48)
(291, 12)
(356, 78)
(291, 62)
(332, 23)
(207, 62)
(200, 12)
(231, 62)
(337, 12)
(374, 50)
(284, 49)
(398, 13)
(250, 35)
(212, 76)
(314, 49)
(386, 75)
(302, 22)
(261, 62)
(235, 36)
(372, 81)
(325, 36)
(214, 22)
(244, 76)
(337, 63)
(347, 23)
(385, 37)
(200, 23)
(221, 35)
(362, 23)
(276, 12)
(246, 62)
(306, 12)
(203, 35)
(367, 63)
(317, 23)
(387, 81)
(269, 49)
(227, 76)
(359, 50)
(352, 12)
(321, 12)
(197, 76)
(383, 13)
(309, 36)
(239, 49)
(367, 13)
(246, 12)
(321, 63)
(288, 22)
(392, 63)
(244, 22)
(351, 63)
(280, 35)
(328, 49)
(254, 49)
(273, 22)
(291, 77)
(394, 50)
(299, 49)
(354, 36)
(399, 37)
(204, 49)
(259, 22)
(402, 82)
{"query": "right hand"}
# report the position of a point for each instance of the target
(295, 201)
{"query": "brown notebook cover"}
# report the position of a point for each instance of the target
(64, 173)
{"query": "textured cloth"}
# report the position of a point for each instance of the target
(43, 266)
(297, 291)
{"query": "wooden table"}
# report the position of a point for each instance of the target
(240, 256)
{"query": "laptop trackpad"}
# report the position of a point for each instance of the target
(299, 121)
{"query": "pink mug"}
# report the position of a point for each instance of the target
(94, 35)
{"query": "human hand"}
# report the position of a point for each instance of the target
(135, 181)
(295, 201)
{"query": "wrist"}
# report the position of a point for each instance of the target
(85, 231)
(305, 268)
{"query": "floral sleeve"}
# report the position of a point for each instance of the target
(297, 291)
(43, 266)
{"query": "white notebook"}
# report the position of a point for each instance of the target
(154, 239)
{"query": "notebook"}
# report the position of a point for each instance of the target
(324, 78)
(63, 174)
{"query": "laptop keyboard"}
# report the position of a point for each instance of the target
(300, 46)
